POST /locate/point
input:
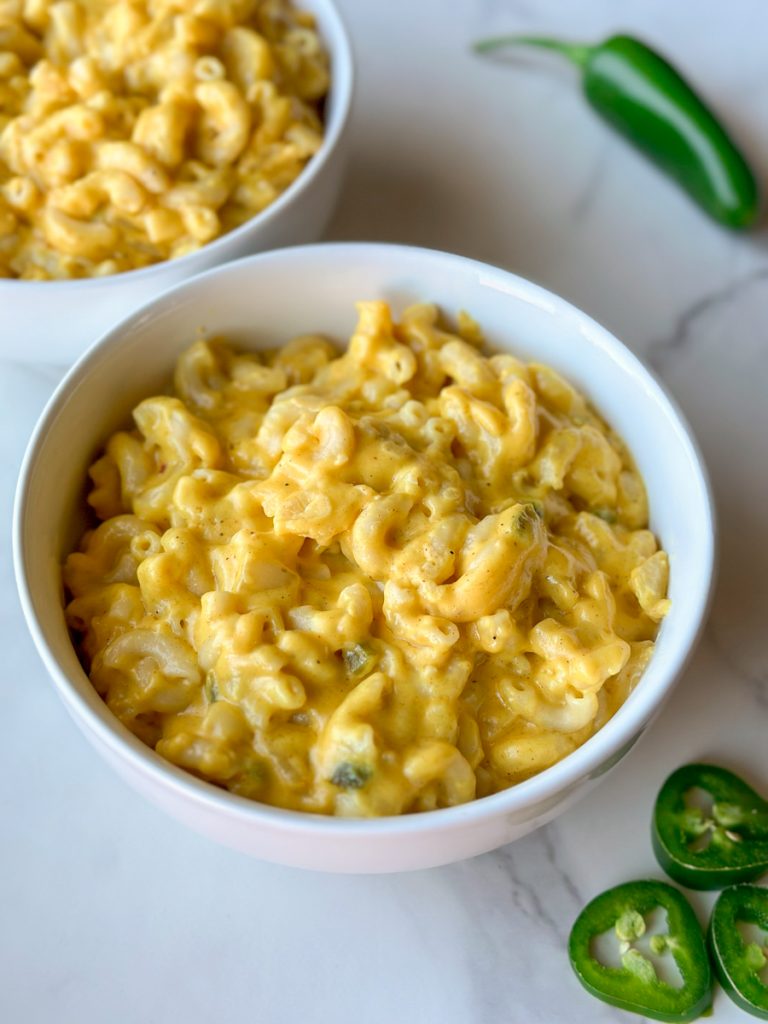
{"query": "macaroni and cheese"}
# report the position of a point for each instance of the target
(368, 583)
(133, 131)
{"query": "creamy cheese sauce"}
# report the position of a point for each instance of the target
(369, 583)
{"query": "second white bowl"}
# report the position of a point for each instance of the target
(55, 321)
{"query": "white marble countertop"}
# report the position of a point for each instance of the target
(111, 912)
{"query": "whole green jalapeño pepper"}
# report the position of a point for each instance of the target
(651, 104)
(738, 964)
(710, 850)
(635, 985)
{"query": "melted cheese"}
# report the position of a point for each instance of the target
(368, 583)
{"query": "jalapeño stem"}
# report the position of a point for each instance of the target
(578, 53)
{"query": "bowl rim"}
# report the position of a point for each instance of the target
(341, 89)
(589, 760)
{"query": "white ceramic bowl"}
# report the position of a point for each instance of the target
(265, 300)
(55, 321)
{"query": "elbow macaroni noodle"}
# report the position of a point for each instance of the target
(133, 131)
(372, 583)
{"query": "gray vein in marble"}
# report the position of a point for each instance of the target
(490, 10)
(491, 908)
(682, 333)
(522, 882)
(525, 897)
(758, 684)
(584, 202)
(51, 373)
(521, 863)
(550, 848)
(481, 949)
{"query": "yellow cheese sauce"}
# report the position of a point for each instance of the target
(366, 583)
